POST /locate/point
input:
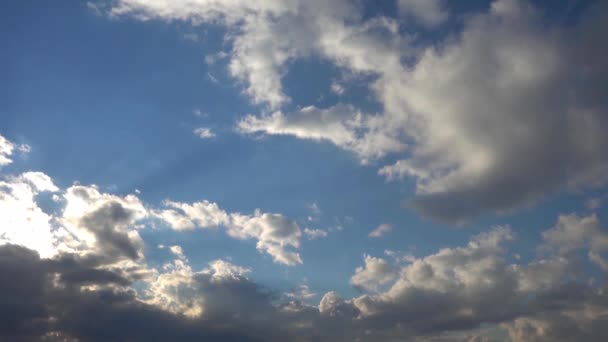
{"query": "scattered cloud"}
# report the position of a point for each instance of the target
(337, 88)
(212, 78)
(274, 232)
(302, 293)
(211, 59)
(204, 133)
(7, 149)
(200, 113)
(381, 230)
(313, 234)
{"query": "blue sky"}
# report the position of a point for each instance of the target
(449, 124)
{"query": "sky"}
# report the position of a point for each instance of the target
(304, 170)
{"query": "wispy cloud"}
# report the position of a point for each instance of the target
(381, 230)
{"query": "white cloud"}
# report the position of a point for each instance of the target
(315, 211)
(223, 269)
(215, 57)
(22, 221)
(212, 78)
(178, 251)
(375, 273)
(40, 181)
(381, 230)
(428, 12)
(175, 290)
(257, 53)
(204, 133)
(573, 232)
(7, 148)
(184, 216)
(301, 292)
(507, 85)
(464, 107)
(464, 287)
(342, 125)
(315, 233)
(274, 232)
(102, 224)
(337, 88)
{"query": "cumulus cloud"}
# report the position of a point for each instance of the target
(376, 272)
(448, 295)
(102, 224)
(462, 288)
(381, 230)
(185, 216)
(38, 305)
(104, 228)
(274, 233)
(22, 221)
(508, 84)
(572, 232)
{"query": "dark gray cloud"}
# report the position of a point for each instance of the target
(511, 111)
(35, 307)
(451, 295)
(105, 223)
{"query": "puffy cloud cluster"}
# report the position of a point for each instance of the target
(508, 84)
(98, 225)
(465, 288)
(95, 284)
(274, 233)
(376, 272)
(102, 224)
(45, 301)
(572, 233)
